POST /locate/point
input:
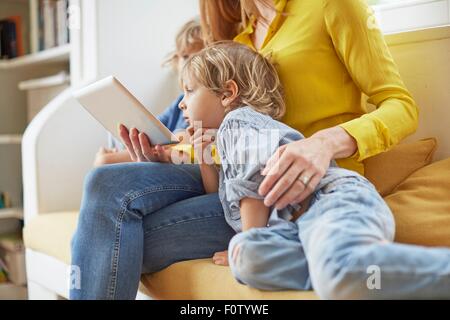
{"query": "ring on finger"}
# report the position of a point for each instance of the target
(305, 180)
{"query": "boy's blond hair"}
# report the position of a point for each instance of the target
(188, 37)
(256, 78)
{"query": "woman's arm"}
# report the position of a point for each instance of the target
(361, 47)
(338, 141)
(360, 44)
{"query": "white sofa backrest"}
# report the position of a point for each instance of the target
(132, 40)
(58, 150)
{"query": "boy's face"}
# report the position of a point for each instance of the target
(200, 104)
(184, 55)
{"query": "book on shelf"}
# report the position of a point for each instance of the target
(11, 39)
(12, 254)
(49, 24)
(5, 200)
(3, 272)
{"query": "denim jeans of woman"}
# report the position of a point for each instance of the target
(139, 218)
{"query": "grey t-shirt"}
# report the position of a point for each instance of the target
(245, 141)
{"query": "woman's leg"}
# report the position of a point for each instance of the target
(270, 258)
(194, 228)
(107, 248)
(347, 235)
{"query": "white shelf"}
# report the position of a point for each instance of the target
(54, 55)
(56, 80)
(10, 139)
(11, 213)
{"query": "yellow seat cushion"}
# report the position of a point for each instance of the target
(51, 234)
(388, 169)
(421, 206)
(203, 280)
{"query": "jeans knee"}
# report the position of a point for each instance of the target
(100, 191)
(246, 261)
(96, 179)
(340, 278)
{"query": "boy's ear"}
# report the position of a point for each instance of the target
(230, 94)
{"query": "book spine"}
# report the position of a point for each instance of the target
(49, 24)
(17, 20)
(2, 44)
(12, 40)
(8, 39)
(61, 22)
(34, 26)
(41, 25)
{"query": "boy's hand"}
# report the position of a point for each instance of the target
(184, 136)
(203, 139)
(139, 147)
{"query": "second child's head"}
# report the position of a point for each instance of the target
(188, 41)
(226, 76)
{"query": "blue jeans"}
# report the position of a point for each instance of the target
(342, 247)
(139, 218)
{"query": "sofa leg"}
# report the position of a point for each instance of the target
(38, 292)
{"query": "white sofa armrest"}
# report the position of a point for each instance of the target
(58, 149)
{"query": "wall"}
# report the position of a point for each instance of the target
(134, 38)
(423, 58)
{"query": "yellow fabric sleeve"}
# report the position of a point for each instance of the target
(361, 47)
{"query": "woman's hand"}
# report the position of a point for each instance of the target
(295, 170)
(139, 147)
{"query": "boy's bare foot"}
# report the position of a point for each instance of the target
(221, 258)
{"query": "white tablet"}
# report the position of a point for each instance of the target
(111, 104)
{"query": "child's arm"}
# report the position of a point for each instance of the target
(106, 156)
(254, 214)
(210, 178)
(202, 140)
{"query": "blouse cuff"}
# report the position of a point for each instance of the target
(367, 133)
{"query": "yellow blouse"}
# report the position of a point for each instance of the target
(327, 53)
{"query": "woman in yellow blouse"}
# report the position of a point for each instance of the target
(327, 54)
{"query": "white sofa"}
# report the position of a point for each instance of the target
(59, 147)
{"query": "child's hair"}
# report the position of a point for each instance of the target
(188, 38)
(256, 78)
